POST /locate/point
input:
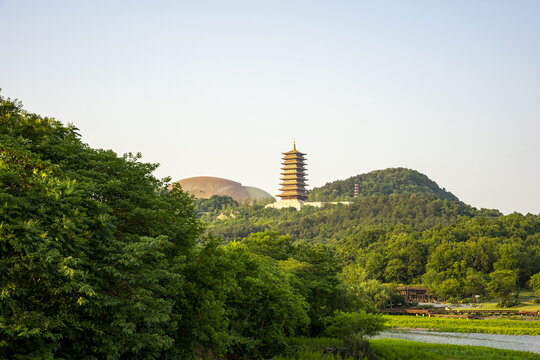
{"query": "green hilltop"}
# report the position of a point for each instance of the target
(381, 182)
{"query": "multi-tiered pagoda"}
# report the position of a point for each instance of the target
(293, 176)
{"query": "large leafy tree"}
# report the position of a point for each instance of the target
(502, 284)
(93, 248)
(263, 306)
(314, 271)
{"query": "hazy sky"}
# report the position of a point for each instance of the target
(221, 88)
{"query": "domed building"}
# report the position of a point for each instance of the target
(203, 187)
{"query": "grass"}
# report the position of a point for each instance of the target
(489, 326)
(393, 349)
(493, 306)
(525, 296)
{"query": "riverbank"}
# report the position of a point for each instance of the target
(393, 349)
(488, 326)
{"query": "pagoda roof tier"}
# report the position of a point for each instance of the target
(294, 172)
(293, 157)
(294, 180)
(293, 167)
(294, 194)
(293, 188)
(294, 162)
(294, 151)
(289, 185)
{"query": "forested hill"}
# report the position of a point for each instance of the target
(335, 222)
(381, 182)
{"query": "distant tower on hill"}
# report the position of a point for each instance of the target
(356, 190)
(293, 176)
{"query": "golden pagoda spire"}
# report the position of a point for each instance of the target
(294, 144)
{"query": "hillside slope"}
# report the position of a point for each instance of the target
(381, 182)
(338, 221)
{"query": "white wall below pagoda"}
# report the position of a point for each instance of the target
(299, 204)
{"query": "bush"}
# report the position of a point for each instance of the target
(353, 328)
(512, 303)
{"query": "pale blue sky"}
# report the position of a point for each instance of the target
(221, 88)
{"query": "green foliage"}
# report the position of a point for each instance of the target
(354, 326)
(487, 326)
(392, 349)
(314, 273)
(313, 355)
(336, 222)
(313, 344)
(91, 246)
(535, 284)
(381, 182)
(214, 204)
(452, 250)
(502, 284)
(98, 257)
(263, 307)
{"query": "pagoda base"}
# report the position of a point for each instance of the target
(294, 203)
(299, 204)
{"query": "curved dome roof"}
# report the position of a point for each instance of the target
(206, 186)
(258, 194)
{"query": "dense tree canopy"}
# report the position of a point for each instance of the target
(406, 238)
(100, 259)
(336, 222)
(92, 245)
(381, 182)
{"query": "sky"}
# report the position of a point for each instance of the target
(222, 88)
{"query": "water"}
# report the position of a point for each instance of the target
(509, 342)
